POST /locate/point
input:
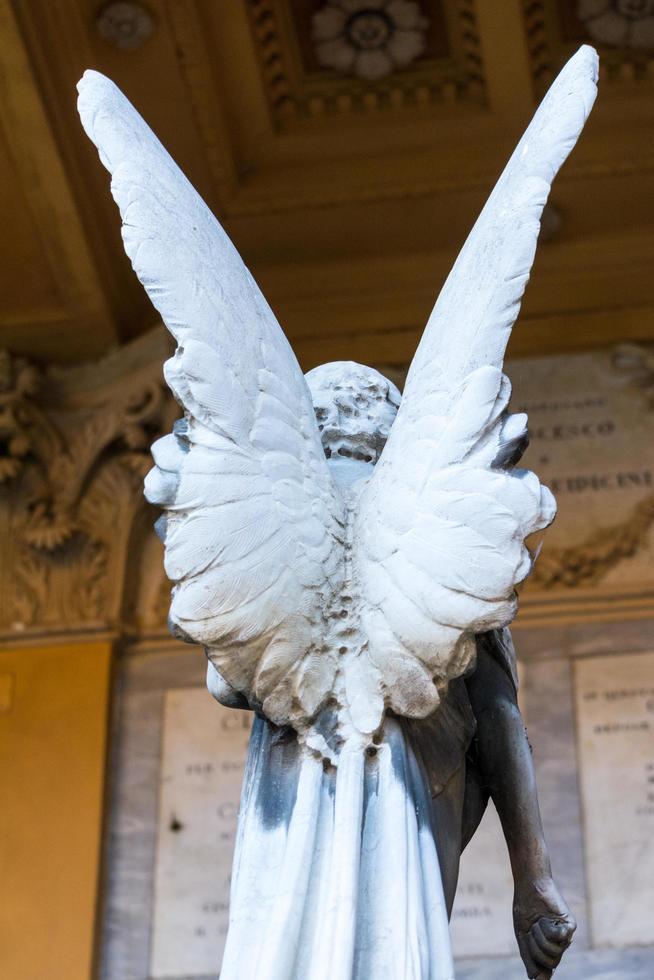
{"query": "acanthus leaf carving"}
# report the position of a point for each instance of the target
(24, 430)
(73, 467)
(125, 432)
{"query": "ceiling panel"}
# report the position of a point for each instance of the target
(348, 195)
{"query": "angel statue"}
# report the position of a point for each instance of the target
(348, 558)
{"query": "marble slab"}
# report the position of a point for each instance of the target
(591, 425)
(482, 923)
(615, 721)
(203, 753)
(587, 964)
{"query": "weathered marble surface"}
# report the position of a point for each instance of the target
(202, 759)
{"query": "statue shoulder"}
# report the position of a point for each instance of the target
(498, 644)
(441, 741)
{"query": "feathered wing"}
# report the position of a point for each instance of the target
(441, 525)
(253, 523)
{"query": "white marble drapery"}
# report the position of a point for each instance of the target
(336, 872)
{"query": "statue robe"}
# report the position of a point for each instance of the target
(319, 895)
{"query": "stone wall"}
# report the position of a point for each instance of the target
(547, 657)
(81, 562)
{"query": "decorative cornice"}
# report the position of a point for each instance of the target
(79, 552)
(207, 112)
(251, 202)
(295, 94)
(24, 430)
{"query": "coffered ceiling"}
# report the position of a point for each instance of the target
(347, 147)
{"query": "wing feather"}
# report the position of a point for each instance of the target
(253, 520)
(441, 524)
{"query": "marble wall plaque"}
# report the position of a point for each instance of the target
(591, 424)
(203, 753)
(204, 747)
(615, 719)
(482, 918)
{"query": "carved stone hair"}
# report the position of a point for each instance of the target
(355, 408)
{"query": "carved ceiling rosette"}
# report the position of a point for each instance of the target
(368, 38)
(126, 25)
(624, 30)
(351, 56)
(636, 361)
(625, 23)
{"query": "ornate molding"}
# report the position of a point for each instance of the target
(296, 94)
(24, 430)
(555, 27)
(252, 202)
(194, 62)
(74, 447)
(125, 25)
(297, 90)
(55, 512)
(79, 552)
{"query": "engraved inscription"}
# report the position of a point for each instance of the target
(591, 428)
(615, 714)
(204, 747)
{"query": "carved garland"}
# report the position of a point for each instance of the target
(587, 563)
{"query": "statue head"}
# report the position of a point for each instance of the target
(355, 408)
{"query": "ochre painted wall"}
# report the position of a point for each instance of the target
(53, 729)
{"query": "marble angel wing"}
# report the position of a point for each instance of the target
(441, 525)
(252, 522)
